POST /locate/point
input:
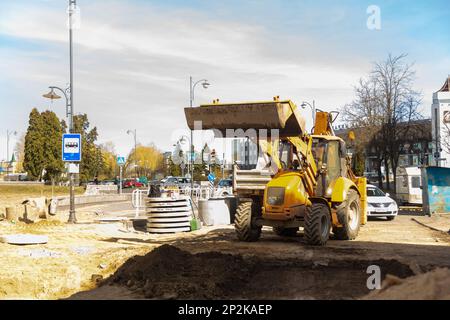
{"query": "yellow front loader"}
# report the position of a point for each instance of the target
(307, 180)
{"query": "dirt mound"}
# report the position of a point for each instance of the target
(168, 272)
(433, 285)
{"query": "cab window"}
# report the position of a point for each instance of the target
(333, 161)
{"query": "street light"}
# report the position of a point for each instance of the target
(192, 86)
(68, 94)
(313, 109)
(183, 139)
(133, 132)
(8, 161)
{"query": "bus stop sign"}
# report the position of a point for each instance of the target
(71, 147)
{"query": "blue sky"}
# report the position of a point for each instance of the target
(133, 58)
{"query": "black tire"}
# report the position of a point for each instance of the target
(390, 218)
(349, 216)
(243, 222)
(317, 224)
(285, 232)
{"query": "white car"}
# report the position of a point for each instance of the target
(379, 204)
(224, 188)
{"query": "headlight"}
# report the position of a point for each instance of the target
(275, 196)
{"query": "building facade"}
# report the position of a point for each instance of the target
(440, 115)
(416, 149)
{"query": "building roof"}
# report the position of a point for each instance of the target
(446, 86)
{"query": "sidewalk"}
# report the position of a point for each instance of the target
(437, 222)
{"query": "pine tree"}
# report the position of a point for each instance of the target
(34, 151)
(92, 161)
(52, 131)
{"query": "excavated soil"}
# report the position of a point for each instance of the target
(433, 285)
(170, 273)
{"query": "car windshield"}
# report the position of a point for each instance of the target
(225, 183)
(375, 192)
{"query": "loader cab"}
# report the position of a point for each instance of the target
(329, 153)
(288, 156)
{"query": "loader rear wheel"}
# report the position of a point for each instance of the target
(317, 224)
(349, 215)
(285, 232)
(243, 222)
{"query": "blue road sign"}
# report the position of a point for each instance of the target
(71, 147)
(211, 177)
(120, 161)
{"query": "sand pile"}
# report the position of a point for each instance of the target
(433, 285)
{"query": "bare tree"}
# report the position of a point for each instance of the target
(385, 106)
(400, 103)
(365, 116)
(445, 139)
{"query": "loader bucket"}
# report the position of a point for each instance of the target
(281, 115)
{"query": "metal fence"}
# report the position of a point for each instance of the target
(198, 193)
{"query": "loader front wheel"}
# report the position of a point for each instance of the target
(285, 232)
(349, 216)
(243, 222)
(317, 224)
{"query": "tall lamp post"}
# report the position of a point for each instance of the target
(313, 109)
(192, 86)
(183, 139)
(68, 94)
(134, 133)
(8, 161)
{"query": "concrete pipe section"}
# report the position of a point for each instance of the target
(169, 215)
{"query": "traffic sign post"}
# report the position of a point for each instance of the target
(71, 153)
(121, 162)
(211, 179)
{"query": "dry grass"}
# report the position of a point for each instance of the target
(36, 190)
(13, 195)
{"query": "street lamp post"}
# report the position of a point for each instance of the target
(68, 94)
(183, 139)
(134, 133)
(313, 109)
(8, 161)
(192, 86)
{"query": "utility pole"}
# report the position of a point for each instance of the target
(68, 94)
(192, 86)
(72, 8)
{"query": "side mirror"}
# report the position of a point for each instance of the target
(388, 195)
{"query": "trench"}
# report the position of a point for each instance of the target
(170, 273)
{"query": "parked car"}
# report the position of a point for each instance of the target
(132, 183)
(224, 188)
(180, 182)
(108, 182)
(379, 204)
